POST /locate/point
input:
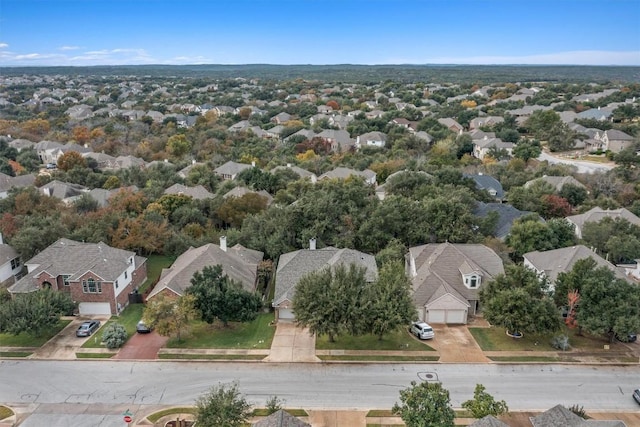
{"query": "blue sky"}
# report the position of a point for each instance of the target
(116, 32)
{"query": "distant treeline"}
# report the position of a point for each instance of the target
(347, 73)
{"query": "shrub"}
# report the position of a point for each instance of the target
(560, 342)
(579, 411)
(114, 335)
(274, 404)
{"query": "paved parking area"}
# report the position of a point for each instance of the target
(142, 346)
(292, 344)
(65, 344)
(455, 344)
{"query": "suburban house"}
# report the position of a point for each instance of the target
(8, 182)
(551, 263)
(557, 182)
(231, 169)
(198, 192)
(241, 191)
(65, 191)
(561, 416)
(614, 140)
(10, 264)
(281, 418)
(98, 277)
(597, 214)
(478, 122)
(302, 173)
(488, 184)
(238, 262)
(446, 279)
(381, 190)
(292, 266)
(507, 215)
(339, 140)
(368, 175)
(451, 124)
(482, 147)
(374, 139)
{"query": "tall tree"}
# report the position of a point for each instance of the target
(222, 406)
(219, 297)
(484, 404)
(330, 301)
(518, 301)
(390, 298)
(34, 312)
(169, 315)
(425, 405)
(70, 160)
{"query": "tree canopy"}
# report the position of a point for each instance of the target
(425, 405)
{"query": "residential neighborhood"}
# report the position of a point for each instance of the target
(316, 221)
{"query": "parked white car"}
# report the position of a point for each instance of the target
(422, 330)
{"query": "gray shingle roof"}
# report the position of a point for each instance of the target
(507, 214)
(556, 181)
(231, 168)
(442, 264)
(559, 416)
(489, 183)
(73, 258)
(7, 253)
(488, 421)
(562, 260)
(238, 262)
(292, 266)
(198, 192)
(597, 214)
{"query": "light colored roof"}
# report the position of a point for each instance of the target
(238, 262)
(562, 260)
(198, 192)
(75, 259)
(559, 416)
(441, 264)
(231, 168)
(241, 191)
(303, 173)
(556, 181)
(292, 266)
(597, 214)
(7, 253)
(488, 421)
(344, 173)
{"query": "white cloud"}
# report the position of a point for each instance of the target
(118, 56)
(3, 45)
(69, 48)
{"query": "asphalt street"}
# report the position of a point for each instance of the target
(69, 389)
(582, 166)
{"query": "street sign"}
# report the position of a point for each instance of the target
(127, 419)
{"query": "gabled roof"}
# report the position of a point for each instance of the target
(281, 418)
(561, 416)
(292, 266)
(556, 181)
(7, 253)
(241, 191)
(438, 267)
(238, 262)
(303, 173)
(344, 173)
(73, 258)
(597, 214)
(507, 214)
(198, 192)
(488, 421)
(561, 260)
(231, 168)
(489, 183)
(62, 190)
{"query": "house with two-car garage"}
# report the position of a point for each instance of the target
(446, 279)
(96, 276)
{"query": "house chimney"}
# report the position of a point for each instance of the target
(223, 243)
(288, 165)
(253, 164)
(312, 244)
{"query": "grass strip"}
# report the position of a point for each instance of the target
(181, 356)
(329, 357)
(15, 353)
(95, 355)
(170, 411)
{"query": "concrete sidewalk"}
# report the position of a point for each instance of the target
(292, 344)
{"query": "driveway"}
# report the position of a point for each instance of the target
(142, 346)
(582, 165)
(65, 344)
(455, 344)
(292, 344)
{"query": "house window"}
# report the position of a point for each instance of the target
(15, 263)
(473, 282)
(90, 286)
(65, 279)
(116, 284)
(125, 274)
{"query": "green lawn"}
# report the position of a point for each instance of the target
(179, 356)
(26, 340)
(257, 334)
(399, 340)
(379, 358)
(128, 318)
(495, 339)
(155, 264)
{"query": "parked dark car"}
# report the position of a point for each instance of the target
(636, 395)
(87, 328)
(142, 328)
(631, 337)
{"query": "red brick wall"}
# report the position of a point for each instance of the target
(107, 294)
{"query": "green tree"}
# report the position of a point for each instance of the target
(70, 160)
(28, 159)
(390, 300)
(574, 194)
(518, 301)
(178, 145)
(222, 406)
(34, 312)
(484, 404)
(527, 149)
(114, 335)
(330, 301)
(425, 405)
(170, 315)
(219, 297)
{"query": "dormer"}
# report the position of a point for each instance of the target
(471, 277)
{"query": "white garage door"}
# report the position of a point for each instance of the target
(286, 314)
(456, 316)
(436, 316)
(94, 308)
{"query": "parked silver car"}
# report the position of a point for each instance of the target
(87, 328)
(422, 330)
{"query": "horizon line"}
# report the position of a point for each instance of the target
(321, 65)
